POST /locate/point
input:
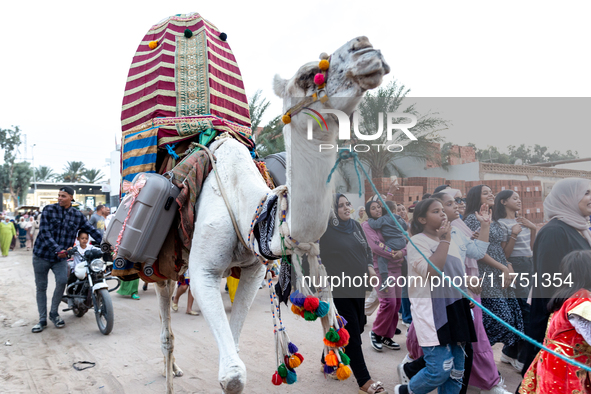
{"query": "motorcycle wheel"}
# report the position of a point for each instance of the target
(105, 317)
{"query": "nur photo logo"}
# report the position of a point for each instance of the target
(394, 121)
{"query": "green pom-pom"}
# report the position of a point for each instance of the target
(344, 358)
(310, 316)
(291, 377)
(332, 335)
(188, 33)
(322, 309)
(282, 370)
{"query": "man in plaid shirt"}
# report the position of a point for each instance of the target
(58, 228)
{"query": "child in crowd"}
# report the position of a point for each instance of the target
(393, 238)
(569, 332)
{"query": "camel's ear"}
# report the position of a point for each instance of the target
(279, 85)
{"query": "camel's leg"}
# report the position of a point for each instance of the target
(205, 286)
(250, 280)
(164, 292)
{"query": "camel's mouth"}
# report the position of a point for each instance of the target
(369, 68)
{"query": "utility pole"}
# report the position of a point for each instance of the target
(34, 174)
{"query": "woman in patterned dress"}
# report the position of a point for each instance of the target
(569, 333)
(497, 295)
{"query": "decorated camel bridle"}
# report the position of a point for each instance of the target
(319, 91)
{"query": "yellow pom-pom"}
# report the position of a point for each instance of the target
(286, 119)
(294, 362)
(343, 372)
(324, 64)
(153, 44)
(296, 309)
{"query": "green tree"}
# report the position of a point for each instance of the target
(391, 98)
(73, 172)
(527, 154)
(257, 106)
(92, 175)
(20, 181)
(270, 140)
(44, 174)
(16, 177)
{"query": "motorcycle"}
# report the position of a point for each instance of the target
(90, 288)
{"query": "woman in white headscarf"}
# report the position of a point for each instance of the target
(568, 207)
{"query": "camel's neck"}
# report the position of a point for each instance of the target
(310, 197)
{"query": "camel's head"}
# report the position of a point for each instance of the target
(354, 68)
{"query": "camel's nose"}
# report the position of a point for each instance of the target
(361, 43)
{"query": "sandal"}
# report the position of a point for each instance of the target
(39, 327)
(175, 307)
(57, 321)
(192, 313)
(374, 388)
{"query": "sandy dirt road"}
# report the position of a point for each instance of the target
(129, 360)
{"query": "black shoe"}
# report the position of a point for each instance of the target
(401, 389)
(145, 287)
(390, 344)
(376, 341)
(398, 332)
(39, 327)
(57, 321)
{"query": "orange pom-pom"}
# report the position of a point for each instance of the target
(331, 359)
(294, 362)
(343, 372)
(153, 44)
(296, 309)
(324, 64)
(329, 343)
(286, 119)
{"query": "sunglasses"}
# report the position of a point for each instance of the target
(460, 200)
(347, 204)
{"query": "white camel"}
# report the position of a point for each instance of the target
(354, 68)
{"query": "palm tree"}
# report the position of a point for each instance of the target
(92, 176)
(271, 138)
(257, 107)
(44, 174)
(390, 99)
(73, 172)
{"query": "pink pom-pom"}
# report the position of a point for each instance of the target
(319, 79)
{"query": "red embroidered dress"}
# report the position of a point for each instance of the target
(550, 374)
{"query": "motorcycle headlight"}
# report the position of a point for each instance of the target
(97, 265)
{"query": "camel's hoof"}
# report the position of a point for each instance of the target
(176, 372)
(233, 381)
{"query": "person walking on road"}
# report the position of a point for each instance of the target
(58, 228)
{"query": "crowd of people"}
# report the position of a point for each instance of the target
(20, 231)
(535, 280)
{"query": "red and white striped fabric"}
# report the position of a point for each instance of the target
(183, 77)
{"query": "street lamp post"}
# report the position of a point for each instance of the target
(34, 174)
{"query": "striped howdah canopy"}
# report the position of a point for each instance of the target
(183, 79)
